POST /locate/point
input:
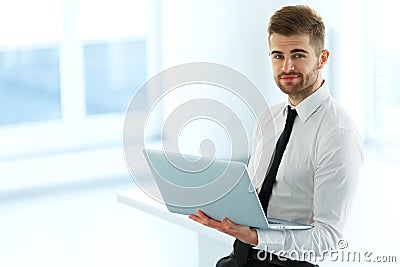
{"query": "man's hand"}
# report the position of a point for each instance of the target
(241, 232)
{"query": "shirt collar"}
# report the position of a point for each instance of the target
(307, 107)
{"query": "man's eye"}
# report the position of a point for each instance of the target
(299, 56)
(278, 56)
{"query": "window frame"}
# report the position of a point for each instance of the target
(76, 129)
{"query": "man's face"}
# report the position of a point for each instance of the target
(296, 67)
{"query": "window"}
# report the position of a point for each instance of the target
(114, 49)
(383, 92)
(68, 72)
(29, 62)
(29, 84)
(114, 70)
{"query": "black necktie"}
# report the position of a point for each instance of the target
(241, 250)
(266, 188)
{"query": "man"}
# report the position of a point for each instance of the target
(317, 174)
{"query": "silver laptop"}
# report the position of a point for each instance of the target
(217, 187)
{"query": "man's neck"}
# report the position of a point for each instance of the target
(295, 100)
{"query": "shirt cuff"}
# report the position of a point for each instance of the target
(270, 240)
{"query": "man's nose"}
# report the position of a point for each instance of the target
(288, 65)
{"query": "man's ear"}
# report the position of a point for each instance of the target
(323, 58)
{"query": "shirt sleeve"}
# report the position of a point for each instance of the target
(339, 159)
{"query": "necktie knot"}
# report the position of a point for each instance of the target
(292, 113)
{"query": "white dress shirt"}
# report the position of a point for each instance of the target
(317, 177)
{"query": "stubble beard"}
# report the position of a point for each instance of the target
(303, 88)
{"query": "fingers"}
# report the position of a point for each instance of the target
(226, 226)
(200, 217)
(195, 218)
(205, 220)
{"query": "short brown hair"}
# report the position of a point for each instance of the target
(300, 19)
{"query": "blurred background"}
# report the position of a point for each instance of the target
(68, 69)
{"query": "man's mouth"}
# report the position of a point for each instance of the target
(289, 77)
